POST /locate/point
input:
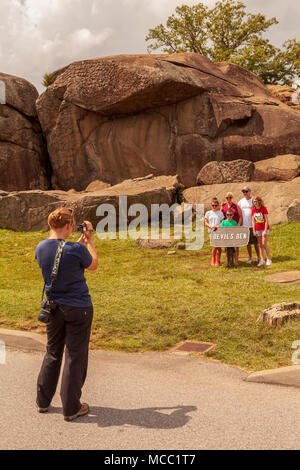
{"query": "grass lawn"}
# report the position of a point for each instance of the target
(148, 300)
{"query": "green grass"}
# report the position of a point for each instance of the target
(148, 300)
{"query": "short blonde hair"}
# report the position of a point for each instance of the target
(60, 217)
(215, 199)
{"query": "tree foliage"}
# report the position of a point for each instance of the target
(48, 79)
(228, 33)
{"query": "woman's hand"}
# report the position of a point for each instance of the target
(87, 235)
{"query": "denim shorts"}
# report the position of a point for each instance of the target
(259, 233)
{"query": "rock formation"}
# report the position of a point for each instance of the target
(293, 212)
(226, 172)
(23, 162)
(280, 168)
(29, 210)
(286, 94)
(121, 117)
(278, 196)
(278, 314)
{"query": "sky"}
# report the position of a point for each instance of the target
(40, 36)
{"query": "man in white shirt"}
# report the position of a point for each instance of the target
(246, 206)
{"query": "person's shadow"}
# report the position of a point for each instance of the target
(144, 417)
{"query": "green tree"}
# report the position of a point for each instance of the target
(48, 79)
(229, 33)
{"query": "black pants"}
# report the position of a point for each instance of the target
(230, 256)
(70, 327)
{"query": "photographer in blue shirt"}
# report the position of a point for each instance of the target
(69, 322)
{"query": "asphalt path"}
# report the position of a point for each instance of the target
(149, 401)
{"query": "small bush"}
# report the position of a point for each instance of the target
(48, 79)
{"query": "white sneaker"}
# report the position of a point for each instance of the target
(268, 262)
(261, 263)
(250, 260)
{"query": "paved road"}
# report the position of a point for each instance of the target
(150, 401)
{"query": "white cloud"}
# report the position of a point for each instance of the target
(38, 36)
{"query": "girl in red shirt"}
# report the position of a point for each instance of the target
(261, 229)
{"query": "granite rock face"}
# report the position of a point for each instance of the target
(278, 314)
(23, 155)
(288, 95)
(280, 168)
(278, 196)
(226, 172)
(293, 212)
(122, 117)
(29, 210)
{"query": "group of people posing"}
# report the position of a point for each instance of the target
(248, 212)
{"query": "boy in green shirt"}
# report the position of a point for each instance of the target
(229, 222)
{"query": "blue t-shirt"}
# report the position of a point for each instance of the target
(70, 286)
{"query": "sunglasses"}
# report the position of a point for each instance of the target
(256, 202)
(228, 197)
(215, 205)
(245, 192)
(229, 215)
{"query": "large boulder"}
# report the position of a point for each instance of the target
(121, 117)
(293, 211)
(277, 196)
(286, 94)
(29, 210)
(97, 186)
(280, 168)
(23, 156)
(278, 314)
(144, 190)
(226, 172)
(25, 211)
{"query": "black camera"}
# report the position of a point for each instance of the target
(82, 226)
(47, 306)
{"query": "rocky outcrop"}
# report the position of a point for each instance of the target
(278, 196)
(293, 212)
(278, 314)
(226, 172)
(280, 168)
(287, 94)
(29, 210)
(159, 244)
(144, 190)
(121, 117)
(23, 161)
(97, 186)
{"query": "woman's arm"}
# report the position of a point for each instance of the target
(240, 215)
(87, 240)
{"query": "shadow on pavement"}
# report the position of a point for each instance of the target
(156, 418)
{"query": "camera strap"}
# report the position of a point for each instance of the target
(55, 267)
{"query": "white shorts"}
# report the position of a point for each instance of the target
(259, 233)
